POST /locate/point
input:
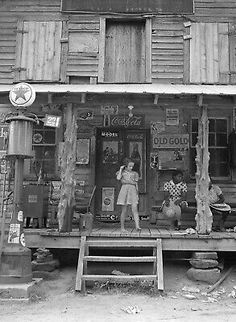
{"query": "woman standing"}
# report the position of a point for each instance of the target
(128, 194)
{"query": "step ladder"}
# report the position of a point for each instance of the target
(84, 257)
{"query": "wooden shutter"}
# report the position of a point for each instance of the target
(209, 58)
(232, 52)
(38, 51)
(125, 52)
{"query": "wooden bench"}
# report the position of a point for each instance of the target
(188, 215)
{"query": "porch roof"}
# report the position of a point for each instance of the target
(166, 89)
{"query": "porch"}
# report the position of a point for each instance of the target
(171, 240)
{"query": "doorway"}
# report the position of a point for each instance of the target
(113, 145)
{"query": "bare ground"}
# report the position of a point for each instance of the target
(55, 300)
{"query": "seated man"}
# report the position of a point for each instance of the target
(217, 204)
(175, 198)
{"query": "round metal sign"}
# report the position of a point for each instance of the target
(22, 95)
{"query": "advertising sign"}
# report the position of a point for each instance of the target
(108, 198)
(132, 6)
(172, 141)
(135, 121)
(22, 95)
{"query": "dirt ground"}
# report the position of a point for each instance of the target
(54, 299)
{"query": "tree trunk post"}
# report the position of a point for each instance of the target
(203, 217)
(68, 164)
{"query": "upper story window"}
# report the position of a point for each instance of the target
(218, 147)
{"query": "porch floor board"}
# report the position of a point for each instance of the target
(171, 239)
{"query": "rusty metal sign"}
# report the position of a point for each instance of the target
(131, 6)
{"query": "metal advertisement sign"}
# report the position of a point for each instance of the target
(172, 141)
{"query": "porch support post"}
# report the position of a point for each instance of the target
(204, 215)
(68, 163)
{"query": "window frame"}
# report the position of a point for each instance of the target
(30, 175)
(221, 178)
(102, 47)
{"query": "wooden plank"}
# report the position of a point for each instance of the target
(64, 52)
(122, 259)
(159, 259)
(148, 39)
(129, 243)
(102, 39)
(119, 278)
(79, 273)
(223, 30)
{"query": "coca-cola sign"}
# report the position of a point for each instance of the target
(135, 121)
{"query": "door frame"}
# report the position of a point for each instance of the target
(102, 48)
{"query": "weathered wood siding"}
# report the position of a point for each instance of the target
(209, 53)
(83, 46)
(167, 38)
(215, 10)
(10, 13)
(167, 50)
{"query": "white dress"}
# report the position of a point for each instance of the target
(128, 194)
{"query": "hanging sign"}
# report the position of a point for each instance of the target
(52, 120)
(22, 95)
(132, 6)
(109, 109)
(170, 141)
(172, 116)
(135, 121)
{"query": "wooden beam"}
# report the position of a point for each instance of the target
(102, 40)
(200, 100)
(68, 164)
(204, 216)
(156, 98)
(50, 97)
(83, 98)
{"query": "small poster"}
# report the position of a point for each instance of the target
(110, 152)
(157, 127)
(82, 151)
(109, 109)
(172, 116)
(52, 121)
(14, 234)
(108, 194)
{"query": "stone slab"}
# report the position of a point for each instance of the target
(17, 291)
(209, 276)
(46, 266)
(205, 255)
(204, 263)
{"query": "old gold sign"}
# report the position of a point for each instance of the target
(171, 141)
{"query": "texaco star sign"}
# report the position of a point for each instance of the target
(22, 95)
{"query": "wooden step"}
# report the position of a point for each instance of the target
(84, 258)
(121, 243)
(122, 259)
(123, 278)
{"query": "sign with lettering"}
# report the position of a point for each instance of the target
(52, 120)
(172, 141)
(132, 6)
(135, 121)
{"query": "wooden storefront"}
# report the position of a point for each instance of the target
(133, 85)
